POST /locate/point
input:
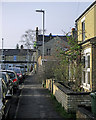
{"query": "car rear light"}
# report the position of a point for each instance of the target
(14, 80)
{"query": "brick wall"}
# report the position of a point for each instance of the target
(69, 99)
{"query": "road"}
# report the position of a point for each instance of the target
(32, 101)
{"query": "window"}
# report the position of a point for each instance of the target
(48, 51)
(88, 77)
(83, 76)
(88, 57)
(3, 57)
(4, 77)
(86, 70)
(84, 61)
(83, 30)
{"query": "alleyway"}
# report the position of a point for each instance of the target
(34, 101)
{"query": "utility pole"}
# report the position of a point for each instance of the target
(43, 32)
(2, 54)
(42, 11)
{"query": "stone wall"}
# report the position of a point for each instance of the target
(83, 113)
(69, 99)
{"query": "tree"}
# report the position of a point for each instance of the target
(69, 65)
(29, 38)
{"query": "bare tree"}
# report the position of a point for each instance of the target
(29, 37)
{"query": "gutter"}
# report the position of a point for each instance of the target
(91, 40)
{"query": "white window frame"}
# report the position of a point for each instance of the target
(83, 19)
(86, 69)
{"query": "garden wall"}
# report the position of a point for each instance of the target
(69, 99)
(84, 113)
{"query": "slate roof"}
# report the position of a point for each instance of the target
(50, 37)
(54, 43)
(12, 52)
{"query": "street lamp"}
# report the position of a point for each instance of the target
(43, 32)
(2, 55)
(2, 47)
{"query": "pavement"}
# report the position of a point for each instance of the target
(33, 102)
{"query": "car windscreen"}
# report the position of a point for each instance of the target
(12, 75)
(20, 66)
(17, 70)
(10, 69)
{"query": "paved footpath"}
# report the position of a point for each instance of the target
(34, 101)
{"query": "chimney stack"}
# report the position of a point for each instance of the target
(36, 33)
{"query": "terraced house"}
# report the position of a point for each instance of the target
(86, 30)
(11, 57)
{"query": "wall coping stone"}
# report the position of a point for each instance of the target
(86, 112)
(68, 91)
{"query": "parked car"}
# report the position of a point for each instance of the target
(23, 70)
(4, 90)
(13, 77)
(1, 101)
(18, 72)
(4, 99)
(7, 82)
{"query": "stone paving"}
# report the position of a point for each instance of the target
(34, 101)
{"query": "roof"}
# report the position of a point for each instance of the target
(55, 43)
(55, 39)
(13, 52)
(86, 11)
(49, 37)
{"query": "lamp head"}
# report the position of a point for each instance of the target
(40, 10)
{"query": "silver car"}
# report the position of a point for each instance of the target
(8, 83)
(1, 100)
(13, 77)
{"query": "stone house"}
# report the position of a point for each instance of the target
(39, 37)
(51, 48)
(86, 31)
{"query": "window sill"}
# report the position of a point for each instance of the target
(86, 86)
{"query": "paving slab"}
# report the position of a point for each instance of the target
(34, 101)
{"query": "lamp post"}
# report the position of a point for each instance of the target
(2, 47)
(2, 54)
(43, 32)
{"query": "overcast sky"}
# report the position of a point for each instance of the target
(18, 17)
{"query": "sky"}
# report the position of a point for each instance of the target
(20, 16)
